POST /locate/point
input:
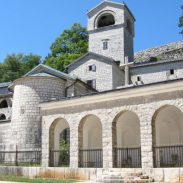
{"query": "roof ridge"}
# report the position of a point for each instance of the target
(91, 53)
(105, 1)
(57, 72)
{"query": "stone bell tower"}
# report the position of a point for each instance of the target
(111, 31)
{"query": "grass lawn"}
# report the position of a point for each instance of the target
(28, 180)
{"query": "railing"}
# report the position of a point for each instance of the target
(127, 158)
(20, 158)
(91, 158)
(59, 158)
(168, 156)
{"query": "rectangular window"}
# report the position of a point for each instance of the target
(172, 72)
(138, 78)
(105, 45)
(92, 68)
(92, 83)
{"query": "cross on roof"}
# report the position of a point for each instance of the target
(126, 67)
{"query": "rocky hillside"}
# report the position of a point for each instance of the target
(172, 51)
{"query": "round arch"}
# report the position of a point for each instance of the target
(2, 117)
(105, 18)
(167, 125)
(167, 132)
(59, 138)
(126, 140)
(90, 141)
(3, 104)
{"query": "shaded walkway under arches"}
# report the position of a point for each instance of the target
(126, 140)
(90, 142)
(167, 125)
(59, 142)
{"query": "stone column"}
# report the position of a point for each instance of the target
(74, 145)
(107, 142)
(146, 139)
(45, 144)
(127, 75)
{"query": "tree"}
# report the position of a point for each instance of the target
(16, 65)
(181, 22)
(70, 45)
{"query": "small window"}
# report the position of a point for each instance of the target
(92, 83)
(92, 68)
(105, 45)
(172, 72)
(138, 78)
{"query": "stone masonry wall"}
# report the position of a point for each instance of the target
(103, 74)
(115, 43)
(118, 76)
(120, 44)
(5, 131)
(143, 107)
(26, 118)
(157, 72)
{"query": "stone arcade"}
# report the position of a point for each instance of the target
(120, 112)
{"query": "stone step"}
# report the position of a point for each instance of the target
(124, 181)
(119, 176)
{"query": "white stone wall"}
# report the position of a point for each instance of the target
(120, 43)
(118, 76)
(115, 39)
(144, 111)
(103, 74)
(157, 72)
(26, 117)
(5, 131)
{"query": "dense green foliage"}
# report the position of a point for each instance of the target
(70, 45)
(181, 22)
(16, 65)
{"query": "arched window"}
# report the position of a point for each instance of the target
(106, 20)
(2, 117)
(3, 104)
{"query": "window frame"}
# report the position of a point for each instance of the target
(92, 68)
(92, 83)
(105, 45)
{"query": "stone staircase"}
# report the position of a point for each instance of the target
(111, 176)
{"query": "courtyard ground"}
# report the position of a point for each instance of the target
(15, 179)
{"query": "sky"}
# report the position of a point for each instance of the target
(31, 26)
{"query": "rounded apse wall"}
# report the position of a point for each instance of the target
(29, 92)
